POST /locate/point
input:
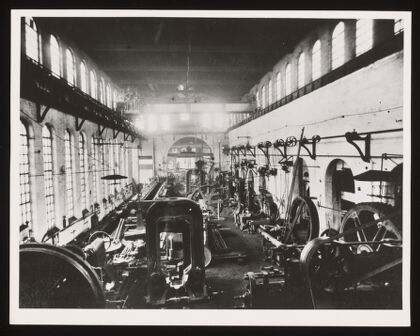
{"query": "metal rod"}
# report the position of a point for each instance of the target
(275, 241)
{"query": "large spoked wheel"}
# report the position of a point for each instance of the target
(55, 277)
(364, 213)
(210, 196)
(304, 220)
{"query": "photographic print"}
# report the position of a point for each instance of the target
(210, 167)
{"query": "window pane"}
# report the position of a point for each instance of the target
(364, 36)
(95, 155)
(257, 98)
(278, 86)
(47, 156)
(25, 199)
(103, 166)
(68, 160)
(316, 60)
(115, 99)
(83, 75)
(270, 92)
(108, 96)
(101, 91)
(83, 171)
(31, 39)
(93, 85)
(337, 57)
(55, 56)
(301, 70)
(70, 67)
(288, 80)
(263, 97)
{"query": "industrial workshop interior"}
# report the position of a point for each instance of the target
(210, 163)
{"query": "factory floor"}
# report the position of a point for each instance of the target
(225, 278)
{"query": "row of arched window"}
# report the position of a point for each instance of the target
(107, 157)
(88, 82)
(273, 90)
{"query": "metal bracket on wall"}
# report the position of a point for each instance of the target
(242, 150)
(281, 146)
(264, 147)
(315, 139)
(115, 133)
(351, 137)
(234, 153)
(79, 123)
(250, 149)
(41, 114)
(101, 131)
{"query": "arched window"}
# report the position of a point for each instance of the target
(126, 160)
(316, 60)
(69, 161)
(71, 73)
(55, 56)
(122, 160)
(337, 45)
(103, 166)
(101, 91)
(270, 92)
(257, 99)
(288, 79)
(111, 166)
(117, 162)
(108, 96)
(32, 40)
(93, 85)
(301, 70)
(115, 99)
(278, 86)
(24, 177)
(364, 36)
(48, 163)
(95, 180)
(263, 97)
(83, 171)
(83, 77)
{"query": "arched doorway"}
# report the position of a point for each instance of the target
(396, 185)
(185, 152)
(182, 157)
(338, 182)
